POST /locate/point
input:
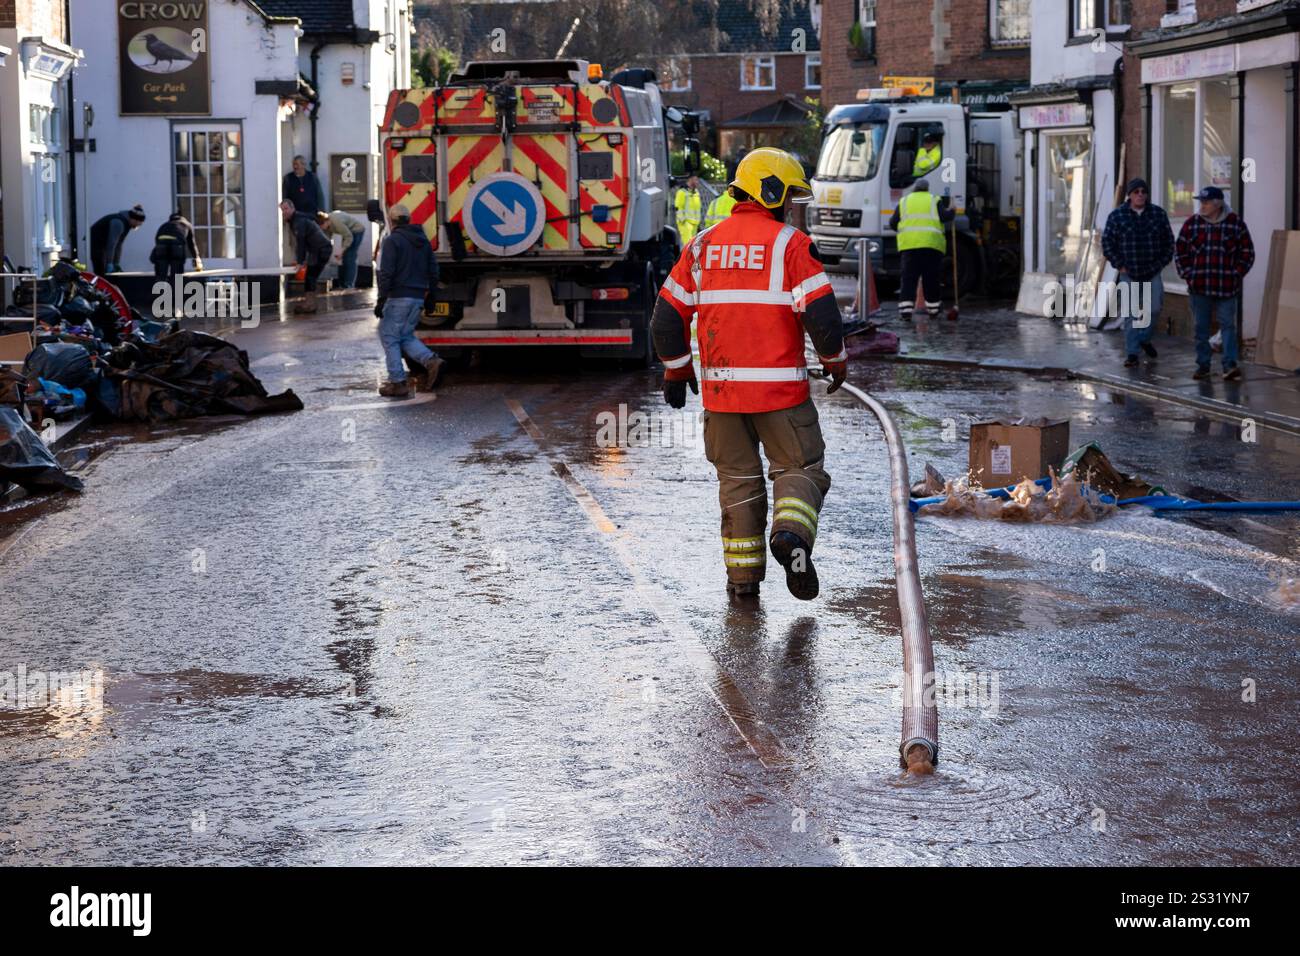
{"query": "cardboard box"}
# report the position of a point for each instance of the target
(1279, 318)
(1005, 452)
(15, 347)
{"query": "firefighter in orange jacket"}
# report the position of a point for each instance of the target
(756, 286)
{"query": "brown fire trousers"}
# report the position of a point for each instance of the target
(792, 441)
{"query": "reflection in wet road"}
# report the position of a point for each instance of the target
(429, 633)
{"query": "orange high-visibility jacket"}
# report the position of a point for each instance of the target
(755, 285)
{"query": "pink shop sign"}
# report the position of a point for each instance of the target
(1191, 65)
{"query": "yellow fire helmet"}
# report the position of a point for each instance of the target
(769, 174)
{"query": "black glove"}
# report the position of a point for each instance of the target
(675, 392)
(837, 371)
(379, 308)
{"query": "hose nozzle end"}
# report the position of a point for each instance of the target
(919, 760)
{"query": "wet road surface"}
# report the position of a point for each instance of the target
(488, 627)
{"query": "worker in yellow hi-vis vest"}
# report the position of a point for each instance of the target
(719, 209)
(929, 156)
(919, 220)
(689, 210)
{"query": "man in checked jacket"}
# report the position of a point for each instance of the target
(1214, 252)
(1139, 243)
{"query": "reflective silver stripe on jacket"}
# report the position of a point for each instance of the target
(755, 374)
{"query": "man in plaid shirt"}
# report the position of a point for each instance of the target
(1214, 252)
(1139, 243)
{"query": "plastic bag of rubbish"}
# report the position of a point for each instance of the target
(64, 362)
(929, 486)
(1090, 465)
(26, 461)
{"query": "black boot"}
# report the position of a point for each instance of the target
(796, 557)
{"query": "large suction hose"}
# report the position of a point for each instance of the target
(919, 750)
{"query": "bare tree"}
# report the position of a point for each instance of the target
(615, 33)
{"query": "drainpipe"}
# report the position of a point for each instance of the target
(1292, 146)
(1117, 95)
(72, 153)
(315, 86)
(72, 169)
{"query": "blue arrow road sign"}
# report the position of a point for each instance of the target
(504, 214)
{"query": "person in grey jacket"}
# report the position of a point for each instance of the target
(313, 251)
(407, 271)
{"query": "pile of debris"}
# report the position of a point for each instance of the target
(1062, 500)
(184, 374)
(92, 354)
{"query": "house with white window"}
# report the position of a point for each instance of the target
(201, 106)
(749, 76)
(38, 60)
(977, 49)
(1070, 117)
(752, 85)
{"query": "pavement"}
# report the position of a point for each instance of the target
(992, 336)
(488, 625)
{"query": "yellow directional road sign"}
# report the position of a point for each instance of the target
(915, 85)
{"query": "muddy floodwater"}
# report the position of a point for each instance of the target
(489, 627)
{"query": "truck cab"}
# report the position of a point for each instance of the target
(866, 165)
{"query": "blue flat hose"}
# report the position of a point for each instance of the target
(1154, 502)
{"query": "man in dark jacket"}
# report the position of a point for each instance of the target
(1214, 253)
(108, 235)
(1139, 243)
(312, 253)
(173, 243)
(302, 188)
(407, 270)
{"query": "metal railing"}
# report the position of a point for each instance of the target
(9, 282)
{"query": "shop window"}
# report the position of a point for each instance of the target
(209, 187)
(1009, 22)
(1069, 201)
(1197, 147)
(758, 72)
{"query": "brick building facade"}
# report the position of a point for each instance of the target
(1186, 94)
(753, 87)
(980, 42)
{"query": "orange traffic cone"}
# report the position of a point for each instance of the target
(920, 298)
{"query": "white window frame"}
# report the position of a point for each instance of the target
(45, 144)
(1185, 15)
(214, 126)
(1101, 10)
(760, 60)
(998, 41)
(675, 73)
(810, 60)
(1158, 177)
